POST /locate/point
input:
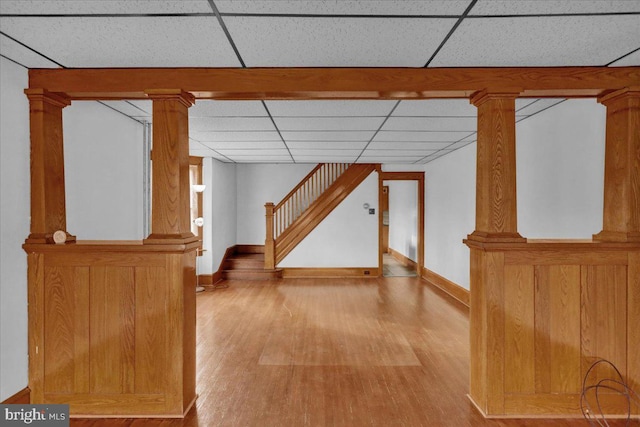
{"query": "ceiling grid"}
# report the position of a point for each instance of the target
(323, 33)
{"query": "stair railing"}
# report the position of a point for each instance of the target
(280, 217)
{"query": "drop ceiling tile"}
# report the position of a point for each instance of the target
(202, 153)
(127, 108)
(326, 145)
(22, 55)
(223, 124)
(436, 108)
(102, 7)
(328, 123)
(207, 108)
(262, 159)
(523, 102)
(467, 124)
(549, 41)
(330, 108)
(396, 153)
(253, 152)
(461, 144)
(388, 159)
(627, 61)
(348, 7)
(236, 136)
(338, 42)
(225, 145)
(126, 42)
(324, 159)
(334, 153)
(523, 7)
(538, 105)
(386, 145)
(417, 136)
(328, 136)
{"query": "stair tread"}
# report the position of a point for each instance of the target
(248, 256)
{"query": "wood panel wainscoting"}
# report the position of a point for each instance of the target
(112, 327)
(543, 312)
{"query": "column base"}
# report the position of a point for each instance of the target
(47, 238)
(483, 236)
(617, 236)
(170, 239)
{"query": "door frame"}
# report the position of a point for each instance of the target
(403, 176)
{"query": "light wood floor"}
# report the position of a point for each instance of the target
(355, 352)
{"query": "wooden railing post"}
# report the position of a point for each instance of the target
(269, 243)
(621, 218)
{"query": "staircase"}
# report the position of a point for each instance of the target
(247, 263)
(307, 205)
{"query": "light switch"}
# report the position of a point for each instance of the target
(372, 211)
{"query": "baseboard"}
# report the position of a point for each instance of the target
(302, 272)
(23, 397)
(453, 289)
(407, 262)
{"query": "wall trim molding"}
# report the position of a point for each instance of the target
(332, 272)
(22, 397)
(446, 285)
(402, 259)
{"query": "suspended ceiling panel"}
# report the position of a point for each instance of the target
(329, 136)
(326, 145)
(286, 124)
(632, 59)
(236, 136)
(537, 7)
(18, 53)
(330, 108)
(378, 145)
(541, 41)
(419, 136)
(466, 124)
(126, 42)
(248, 145)
(436, 108)
(346, 7)
(224, 124)
(75, 7)
(203, 108)
(336, 42)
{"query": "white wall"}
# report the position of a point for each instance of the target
(450, 197)
(560, 158)
(348, 236)
(14, 227)
(403, 217)
(103, 173)
(257, 185)
(220, 212)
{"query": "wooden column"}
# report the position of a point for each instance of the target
(170, 162)
(48, 210)
(496, 222)
(621, 219)
(496, 212)
(269, 243)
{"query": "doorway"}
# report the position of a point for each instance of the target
(407, 257)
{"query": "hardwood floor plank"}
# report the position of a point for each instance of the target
(331, 352)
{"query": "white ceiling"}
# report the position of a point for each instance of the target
(323, 33)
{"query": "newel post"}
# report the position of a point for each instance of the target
(269, 243)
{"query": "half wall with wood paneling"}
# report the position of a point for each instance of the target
(112, 328)
(552, 309)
